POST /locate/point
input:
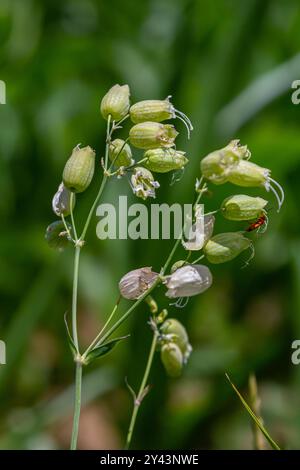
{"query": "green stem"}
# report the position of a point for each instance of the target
(103, 183)
(72, 216)
(141, 394)
(77, 406)
(74, 297)
(94, 343)
(128, 312)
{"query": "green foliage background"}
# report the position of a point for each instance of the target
(229, 65)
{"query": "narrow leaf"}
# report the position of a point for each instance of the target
(103, 349)
(254, 417)
(70, 339)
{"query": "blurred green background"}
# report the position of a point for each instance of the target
(229, 65)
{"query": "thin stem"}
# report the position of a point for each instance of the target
(142, 390)
(128, 312)
(198, 259)
(94, 343)
(72, 216)
(67, 228)
(103, 182)
(77, 406)
(74, 297)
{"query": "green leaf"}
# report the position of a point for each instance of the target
(103, 349)
(70, 339)
(254, 417)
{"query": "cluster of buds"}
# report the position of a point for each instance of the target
(231, 164)
(175, 348)
(149, 133)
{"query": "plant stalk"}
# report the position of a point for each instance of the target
(142, 391)
(77, 406)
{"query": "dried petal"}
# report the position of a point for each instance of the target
(135, 283)
(188, 281)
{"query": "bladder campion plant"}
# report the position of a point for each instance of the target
(186, 277)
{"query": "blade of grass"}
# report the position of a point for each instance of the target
(253, 416)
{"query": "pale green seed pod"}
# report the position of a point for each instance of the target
(178, 334)
(152, 110)
(217, 166)
(225, 247)
(116, 102)
(248, 174)
(242, 207)
(143, 183)
(56, 235)
(61, 202)
(172, 359)
(162, 160)
(150, 135)
(79, 169)
(120, 153)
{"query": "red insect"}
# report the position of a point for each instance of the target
(261, 222)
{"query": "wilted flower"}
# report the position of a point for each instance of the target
(157, 111)
(61, 202)
(57, 236)
(79, 169)
(225, 247)
(143, 183)
(172, 359)
(136, 282)
(188, 281)
(217, 166)
(120, 153)
(162, 160)
(243, 207)
(248, 174)
(175, 332)
(200, 232)
(116, 102)
(150, 135)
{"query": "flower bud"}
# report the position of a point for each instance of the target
(249, 174)
(162, 160)
(143, 183)
(188, 281)
(152, 110)
(57, 236)
(178, 335)
(79, 169)
(243, 207)
(150, 135)
(172, 359)
(217, 165)
(120, 153)
(116, 102)
(157, 111)
(177, 265)
(61, 202)
(136, 282)
(225, 247)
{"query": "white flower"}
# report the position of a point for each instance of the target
(188, 281)
(200, 232)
